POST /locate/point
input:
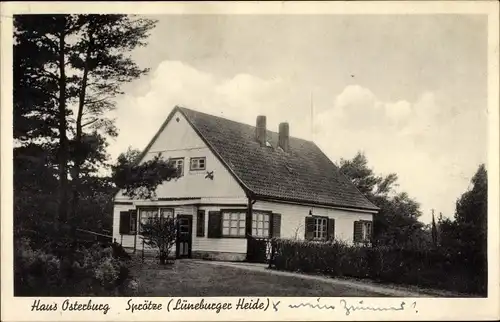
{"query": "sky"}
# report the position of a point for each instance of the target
(410, 91)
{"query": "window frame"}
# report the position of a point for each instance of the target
(174, 160)
(197, 159)
(239, 220)
(365, 236)
(267, 214)
(158, 214)
(316, 226)
(133, 223)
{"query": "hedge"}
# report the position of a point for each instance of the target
(461, 270)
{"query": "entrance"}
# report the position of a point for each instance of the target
(184, 232)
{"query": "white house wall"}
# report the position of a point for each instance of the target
(293, 219)
(179, 140)
(201, 244)
(125, 240)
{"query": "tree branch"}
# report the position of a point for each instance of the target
(89, 123)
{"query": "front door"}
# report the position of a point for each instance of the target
(184, 232)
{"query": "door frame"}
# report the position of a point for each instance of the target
(188, 239)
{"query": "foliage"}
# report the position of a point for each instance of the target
(160, 233)
(396, 223)
(93, 271)
(467, 233)
(140, 180)
(63, 93)
(425, 267)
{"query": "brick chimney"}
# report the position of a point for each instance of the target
(284, 136)
(260, 130)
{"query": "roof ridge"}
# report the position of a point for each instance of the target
(237, 122)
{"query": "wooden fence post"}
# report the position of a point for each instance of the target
(143, 250)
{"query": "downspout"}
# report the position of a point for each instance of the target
(251, 201)
(248, 232)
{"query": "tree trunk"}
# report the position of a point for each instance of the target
(163, 257)
(78, 158)
(63, 140)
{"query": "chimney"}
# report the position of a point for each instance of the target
(284, 136)
(260, 130)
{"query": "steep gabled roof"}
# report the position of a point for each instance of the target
(304, 174)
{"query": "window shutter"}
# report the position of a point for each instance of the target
(276, 226)
(309, 228)
(331, 228)
(124, 222)
(200, 224)
(358, 231)
(133, 219)
(214, 224)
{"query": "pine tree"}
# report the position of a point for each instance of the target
(70, 69)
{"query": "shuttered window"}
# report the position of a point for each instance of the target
(319, 228)
(200, 223)
(363, 231)
(260, 224)
(128, 222)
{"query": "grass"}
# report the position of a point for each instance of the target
(187, 278)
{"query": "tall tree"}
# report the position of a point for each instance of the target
(471, 212)
(102, 65)
(397, 221)
(68, 86)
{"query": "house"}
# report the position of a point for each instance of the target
(239, 182)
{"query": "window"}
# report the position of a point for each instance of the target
(320, 228)
(233, 223)
(147, 214)
(362, 231)
(260, 224)
(178, 163)
(133, 224)
(366, 231)
(200, 223)
(128, 222)
(197, 164)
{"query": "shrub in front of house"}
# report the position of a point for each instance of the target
(435, 268)
(89, 271)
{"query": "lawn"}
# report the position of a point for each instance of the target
(192, 278)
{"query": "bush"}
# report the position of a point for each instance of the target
(89, 271)
(451, 269)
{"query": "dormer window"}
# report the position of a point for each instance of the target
(198, 163)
